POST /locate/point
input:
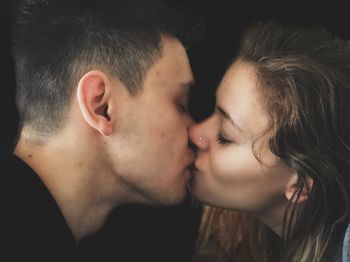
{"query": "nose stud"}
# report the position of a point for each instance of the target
(201, 143)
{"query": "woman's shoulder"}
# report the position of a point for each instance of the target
(346, 245)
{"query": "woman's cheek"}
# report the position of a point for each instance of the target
(223, 165)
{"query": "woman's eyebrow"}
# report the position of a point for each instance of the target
(229, 118)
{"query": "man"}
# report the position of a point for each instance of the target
(102, 93)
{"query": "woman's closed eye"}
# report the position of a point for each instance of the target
(222, 140)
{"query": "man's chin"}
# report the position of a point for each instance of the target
(168, 199)
(190, 185)
(178, 199)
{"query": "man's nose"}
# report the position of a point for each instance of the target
(189, 121)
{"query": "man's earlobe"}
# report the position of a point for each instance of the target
(93, 94)
(292, 187)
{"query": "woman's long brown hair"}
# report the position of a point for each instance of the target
(304, 82)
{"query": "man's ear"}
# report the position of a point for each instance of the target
(293, 186)
(93, 94)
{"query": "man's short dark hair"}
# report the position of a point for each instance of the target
(55, 42)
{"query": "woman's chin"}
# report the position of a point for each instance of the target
(196, 189)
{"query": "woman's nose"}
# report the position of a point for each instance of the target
(198, 136)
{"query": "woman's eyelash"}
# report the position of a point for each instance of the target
(221, 140)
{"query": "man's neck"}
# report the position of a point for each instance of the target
(83, 191)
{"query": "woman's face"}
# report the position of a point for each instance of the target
(228, 173)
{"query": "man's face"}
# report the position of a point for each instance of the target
(151, 154)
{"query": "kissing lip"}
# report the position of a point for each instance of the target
(192, 168)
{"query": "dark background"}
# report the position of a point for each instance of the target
(8, 113)
(172, 231)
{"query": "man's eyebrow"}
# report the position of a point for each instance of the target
(227, 116)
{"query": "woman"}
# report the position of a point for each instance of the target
(277, 148)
